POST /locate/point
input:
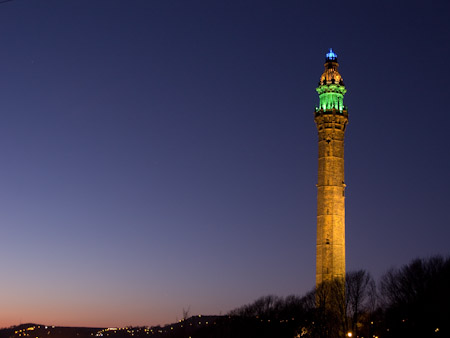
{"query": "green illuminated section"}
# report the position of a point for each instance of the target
(331, 100)
(331, 97)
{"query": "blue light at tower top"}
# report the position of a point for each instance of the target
(331, 55)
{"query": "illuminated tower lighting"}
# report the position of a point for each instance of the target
(331, 119)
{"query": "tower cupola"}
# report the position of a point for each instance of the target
(331, 87)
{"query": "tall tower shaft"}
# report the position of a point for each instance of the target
(331, 119)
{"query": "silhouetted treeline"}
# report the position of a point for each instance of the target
(411, 301)
(273, 307)
(416, 299)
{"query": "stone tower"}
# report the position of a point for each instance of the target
(331, 119)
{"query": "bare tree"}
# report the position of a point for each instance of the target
(329, 319)
(186, 313)
(416, 298)
(360, 296)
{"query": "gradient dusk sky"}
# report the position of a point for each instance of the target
(157, 155)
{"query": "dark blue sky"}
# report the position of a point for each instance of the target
(157, 155)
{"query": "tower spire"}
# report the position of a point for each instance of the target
(331, 119)
(331, 55)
